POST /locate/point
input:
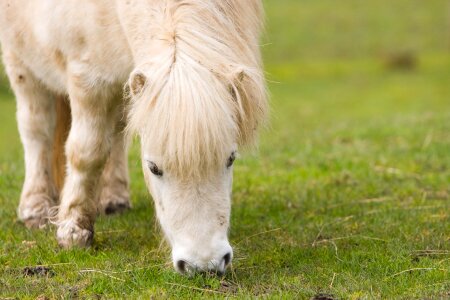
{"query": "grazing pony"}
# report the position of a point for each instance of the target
(194, 93)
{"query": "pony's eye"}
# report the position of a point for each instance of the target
(231, 159)
(154, 169)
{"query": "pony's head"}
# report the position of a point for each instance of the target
(193, 103)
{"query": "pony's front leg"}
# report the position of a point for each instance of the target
(87, 149)
(35, 117)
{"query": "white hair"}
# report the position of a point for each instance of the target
(204, 89)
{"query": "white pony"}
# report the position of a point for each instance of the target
(195, 92)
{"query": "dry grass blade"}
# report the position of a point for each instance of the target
(257, 234)
(332, 280)
(143, 268)
(100, 272)
(415, 269)
(110, 231)
(363, 201)
(48, 265)
(431, 252)
(195, 288)
(349, 237)
(327, 224)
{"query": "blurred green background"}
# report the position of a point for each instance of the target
(323, 55)
(348, 194)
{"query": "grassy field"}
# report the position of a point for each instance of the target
(348, 195)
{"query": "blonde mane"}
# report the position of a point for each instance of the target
(204, 90)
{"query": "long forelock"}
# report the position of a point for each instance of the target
(192, 110)
(190, 132)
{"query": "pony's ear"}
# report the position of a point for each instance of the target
(239, 76)
(249, 93)
(137, 82)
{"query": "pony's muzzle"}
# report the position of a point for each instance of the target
(190, 266)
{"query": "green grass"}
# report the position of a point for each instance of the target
(348, 194)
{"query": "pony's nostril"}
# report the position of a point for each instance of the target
(181, 266)
(227, 258)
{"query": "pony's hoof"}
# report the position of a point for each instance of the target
(70, 235)
(34, 211)
(114, 208)
(35, 223)
(115, 204)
